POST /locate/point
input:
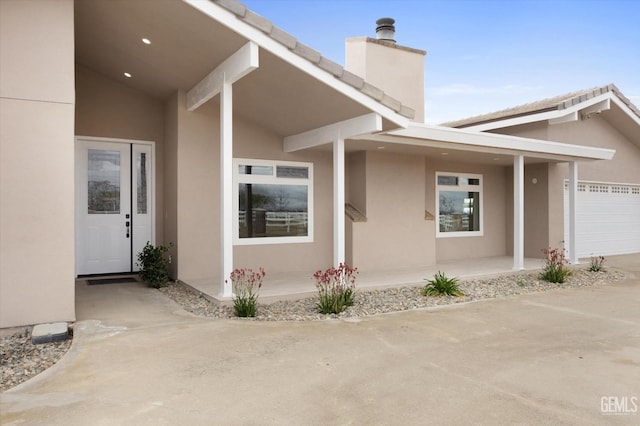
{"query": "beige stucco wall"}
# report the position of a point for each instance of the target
(397, 70)
(198, 211)
(493, 242)
(109, 109)
(396, 233)
(536, 209)
(544, 214)
(356, 180)
(170, 187)
(36, 162)
(197, 165)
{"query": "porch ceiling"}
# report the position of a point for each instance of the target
(185, 46)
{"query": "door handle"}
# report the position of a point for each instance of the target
(127, 224)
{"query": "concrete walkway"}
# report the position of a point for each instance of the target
(561, 357)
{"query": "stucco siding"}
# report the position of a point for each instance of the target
(36, 163)
(396, 233)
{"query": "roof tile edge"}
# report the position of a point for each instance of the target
(292, 44)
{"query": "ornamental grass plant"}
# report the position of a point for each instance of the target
(245, 286)
(336, 288)
(441, 285)
(555, 268)
(597, 264)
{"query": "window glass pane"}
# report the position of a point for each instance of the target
(103, 182)
(141, 190)
(272, 210)
(469, 181)
(459, 211)
(448, 180)
(247, 169)
(292, 172)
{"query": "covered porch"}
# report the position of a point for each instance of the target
(297, 285)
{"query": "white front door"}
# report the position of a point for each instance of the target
(113, 205)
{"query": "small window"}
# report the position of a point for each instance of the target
(459, 205)
(273, 207)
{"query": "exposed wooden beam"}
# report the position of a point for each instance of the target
(363, 124)
(236, 66)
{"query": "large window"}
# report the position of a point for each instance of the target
(459, 204)
(273, 202)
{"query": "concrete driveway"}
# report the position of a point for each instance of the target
(561, 357)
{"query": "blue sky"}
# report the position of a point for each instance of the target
(483, 56)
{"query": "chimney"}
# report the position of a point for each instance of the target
(397, 70)
(385, 30)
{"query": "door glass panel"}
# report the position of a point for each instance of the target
(141, 166)
(104, 182)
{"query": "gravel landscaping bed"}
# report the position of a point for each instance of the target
(372, 302)
(21, 360)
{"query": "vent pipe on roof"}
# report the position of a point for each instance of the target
(385, 30)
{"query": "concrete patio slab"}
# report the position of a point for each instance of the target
(298, 285)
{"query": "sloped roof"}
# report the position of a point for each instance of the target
(292, 44)
(556, 103)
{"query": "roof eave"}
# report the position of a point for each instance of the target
(348, 84)
(474, 140)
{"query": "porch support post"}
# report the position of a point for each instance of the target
(518, 212)
(338, 202)
(573, 190)
(226, 188)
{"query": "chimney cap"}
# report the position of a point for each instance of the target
(385, 30)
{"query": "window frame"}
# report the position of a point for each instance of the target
(240, 178)
(461, 188)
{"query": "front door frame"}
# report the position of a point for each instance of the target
(152, 183)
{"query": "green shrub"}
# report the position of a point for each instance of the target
(555, 268)
(154, 265)
(441, 285)
(336, 288)
(246, 283)
(597, 264)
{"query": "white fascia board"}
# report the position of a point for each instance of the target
(557, 116)
(236, 66)
(364, 124)
(230, 20)
(426, 135)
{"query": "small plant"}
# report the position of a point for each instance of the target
(555, 268)
(246, 283)
(441, 285)
(597, 264)
(154, 265)
(336, 288)
(521, 283)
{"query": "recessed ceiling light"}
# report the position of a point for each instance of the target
(444, 153)
(496, 159)
(381, 147)
(126, 74)
(146, 41)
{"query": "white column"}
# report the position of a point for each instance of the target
(338, 202)
(573, 190)
(226, 188)
(518, 212)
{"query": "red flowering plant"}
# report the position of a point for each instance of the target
(555, 268)
(336, 288)
(245, 285)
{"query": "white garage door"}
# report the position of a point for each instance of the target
(607, 219)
